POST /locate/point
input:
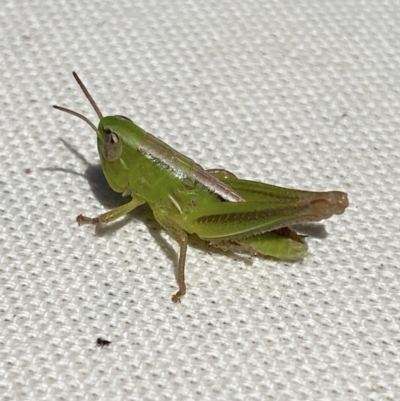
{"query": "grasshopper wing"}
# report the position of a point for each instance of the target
(281, 207)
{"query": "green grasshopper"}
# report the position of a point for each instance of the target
(227, 212)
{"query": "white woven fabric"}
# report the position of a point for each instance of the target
(296, 93)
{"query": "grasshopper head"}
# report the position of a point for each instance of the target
(117, 141)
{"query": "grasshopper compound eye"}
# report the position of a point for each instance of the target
(112, 147)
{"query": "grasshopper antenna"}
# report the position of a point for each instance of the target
(87, 94)
(91, 101)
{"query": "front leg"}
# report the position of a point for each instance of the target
(112, 214)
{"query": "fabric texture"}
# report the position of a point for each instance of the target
(303, 94)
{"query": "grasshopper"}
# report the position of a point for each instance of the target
(227, 212)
